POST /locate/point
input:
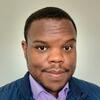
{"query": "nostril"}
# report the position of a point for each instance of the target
(57, 61)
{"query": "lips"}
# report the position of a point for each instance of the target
(55, 71)
(56, 74)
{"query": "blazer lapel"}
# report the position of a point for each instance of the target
(75, 93)
(25, 89)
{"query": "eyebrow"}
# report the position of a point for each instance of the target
(44, 42)
(39, 41)
(71, 40)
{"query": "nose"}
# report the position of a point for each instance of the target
(56, 56)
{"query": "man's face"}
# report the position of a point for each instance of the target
(51, 52)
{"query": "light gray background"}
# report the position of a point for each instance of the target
(86, 14)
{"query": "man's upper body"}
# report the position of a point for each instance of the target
(50, 48)
(21, 90)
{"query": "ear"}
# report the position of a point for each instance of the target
(24, 47)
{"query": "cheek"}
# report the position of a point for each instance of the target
(70, 61)
(33, 57)
(35, 63)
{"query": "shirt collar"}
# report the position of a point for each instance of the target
(36, 88)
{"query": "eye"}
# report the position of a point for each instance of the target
(41, 48)
(67, 48)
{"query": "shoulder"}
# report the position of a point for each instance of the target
(17, 90)
(85, 84)
(90, 88)
(9, 89)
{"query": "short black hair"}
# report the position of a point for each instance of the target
(47, 12)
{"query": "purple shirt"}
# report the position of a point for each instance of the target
(39, 93)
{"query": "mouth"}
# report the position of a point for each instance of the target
(56, 74)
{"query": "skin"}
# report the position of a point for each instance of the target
(50, 52)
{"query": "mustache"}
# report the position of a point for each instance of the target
(58, 69)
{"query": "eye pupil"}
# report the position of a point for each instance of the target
(42, 48)
(67, 48)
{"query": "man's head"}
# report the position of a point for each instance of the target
(50, 47)
(46, 13)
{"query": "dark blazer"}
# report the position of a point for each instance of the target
(20, 90)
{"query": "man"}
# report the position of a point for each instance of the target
(50, 51)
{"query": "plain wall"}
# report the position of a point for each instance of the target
(86, 14)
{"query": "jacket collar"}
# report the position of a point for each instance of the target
(25, 89)
(75, 92)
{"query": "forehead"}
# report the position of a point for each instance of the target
(51, 28)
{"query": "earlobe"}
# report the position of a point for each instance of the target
(24, 46)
